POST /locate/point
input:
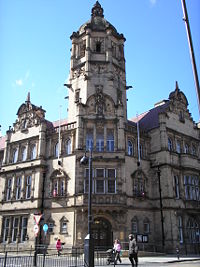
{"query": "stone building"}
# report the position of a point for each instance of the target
(145, 170)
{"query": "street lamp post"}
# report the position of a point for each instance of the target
(88, 244)
(161, 209)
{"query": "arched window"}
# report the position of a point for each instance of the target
(186, 149)
(9, 189)
(130, 148)
(33, 151)
(178, 146)
(56, 149)
(176, 187)
(180, 229)
(110, 140)
(15, 155)
(141, 151)
(89, 139)
(28, 186)
(170, 146)
(18, 187)
(68, 147)
(100, 141)
(24, 153)
(134, 225)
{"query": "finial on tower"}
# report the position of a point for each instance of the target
(28, 98)
(97, 10)
(177, 87)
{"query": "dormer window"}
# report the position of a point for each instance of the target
(98, 47)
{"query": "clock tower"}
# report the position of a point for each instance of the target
(97, 82)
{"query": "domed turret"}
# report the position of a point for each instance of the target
(97, 22)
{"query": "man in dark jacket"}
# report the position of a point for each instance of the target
(133, 250)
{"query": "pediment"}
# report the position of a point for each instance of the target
(29, 115)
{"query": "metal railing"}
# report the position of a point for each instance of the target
(44, 258)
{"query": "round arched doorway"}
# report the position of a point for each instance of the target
(102, 233)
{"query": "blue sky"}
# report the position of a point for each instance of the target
(35, 51)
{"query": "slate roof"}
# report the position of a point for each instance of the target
(149, 119)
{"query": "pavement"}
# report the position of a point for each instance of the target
(162, 259)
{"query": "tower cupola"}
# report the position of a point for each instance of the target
(97, 83)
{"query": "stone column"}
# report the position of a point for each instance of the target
(163, 135)
(105, 137)
(42, 141)
(94, 138)
(87, 52)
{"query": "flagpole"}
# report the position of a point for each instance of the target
(187, 25)
(138, 141)
(59, 145)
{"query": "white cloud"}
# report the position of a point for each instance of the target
(19, 82)
(23, 81)
(153, 2)
(27, 75)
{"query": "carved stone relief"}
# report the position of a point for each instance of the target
(109, 108)
(98, 68)
(78, 72)
(118, 73)
(26, 121)
(99, 100)
(91, 106)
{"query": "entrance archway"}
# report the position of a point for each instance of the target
(102, 233)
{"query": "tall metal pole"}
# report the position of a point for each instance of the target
(161, 209)
(187, 25)
(90, 195)
(88, 244)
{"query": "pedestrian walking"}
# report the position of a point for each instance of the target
(117, 249)
(133, 251)
(59, 246)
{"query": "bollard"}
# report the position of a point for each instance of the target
(177, 253)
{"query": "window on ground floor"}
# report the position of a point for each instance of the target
(193, 231)
(15, 229)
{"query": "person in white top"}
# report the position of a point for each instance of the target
(117, 249)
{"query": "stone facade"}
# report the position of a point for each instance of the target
(145, 170)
